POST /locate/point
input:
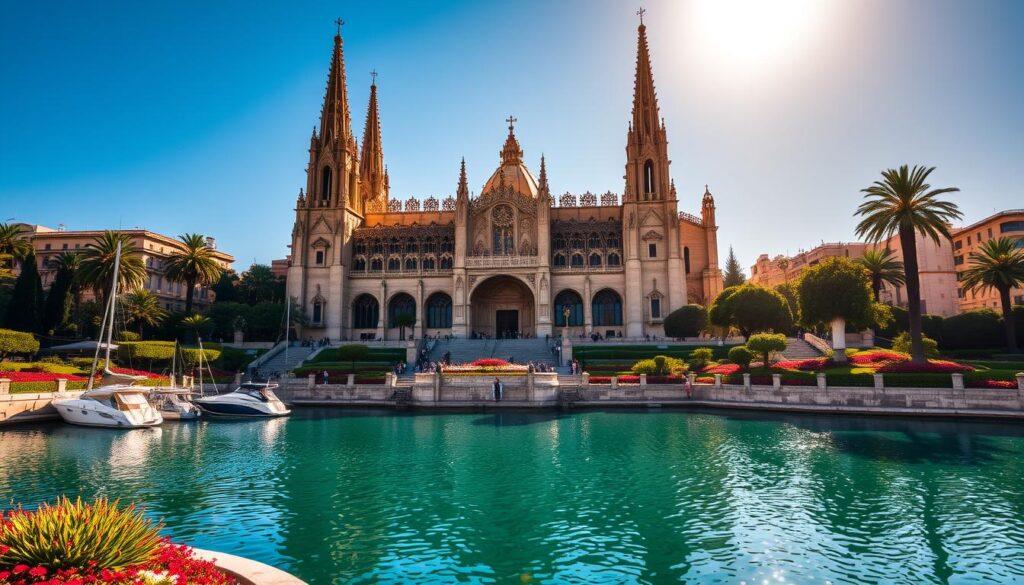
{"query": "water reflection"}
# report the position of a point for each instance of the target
(364, 496)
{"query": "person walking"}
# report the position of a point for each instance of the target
(497, 389)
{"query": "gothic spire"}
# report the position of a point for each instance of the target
(371, 159)
(543, 187)
(335, 121)
(462, 192)
(511, 153)
(645, 100)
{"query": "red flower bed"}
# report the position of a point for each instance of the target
(808, 365)
(724, 369)
(932, 367)
(490, 363)
(876, 356)
(26, 376)
(178, 562)
(131, 372)
(705, 380)
(1006, 384)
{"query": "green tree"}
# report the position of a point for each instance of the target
(686, 321)
(14, 245)
(789, 291)
(403, 320)
(197, 324)
(998, 264)
(258, 284)
(193, 265)
(904, 203)
(902, 344)
(143, 309)
(882, 267)
(835, 292)
(24, 313)
(97, 265)
(353, 352)
(733, 272)
(17, 342)
(60, 299)
(740, 356)
(750, 309)
(765, 344)
(225, 290)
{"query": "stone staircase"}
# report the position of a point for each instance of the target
(468, 350)
(284, 361)
(798, 349)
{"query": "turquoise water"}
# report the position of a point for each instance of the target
(340, 496)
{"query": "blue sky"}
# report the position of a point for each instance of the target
(195, 117)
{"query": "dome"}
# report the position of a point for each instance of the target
(512, 172)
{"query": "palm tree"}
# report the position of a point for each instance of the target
(196, 323)
(143, 309)
(97, 264)
(998, 264)
(882, 267)
(403, 320)
(193, 265)
(13, 243)
(904, 203)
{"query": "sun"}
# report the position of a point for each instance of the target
(757, 33)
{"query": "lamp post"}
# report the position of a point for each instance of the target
(566, 311)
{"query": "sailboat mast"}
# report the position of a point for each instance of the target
(113, 304)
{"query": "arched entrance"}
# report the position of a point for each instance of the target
(502, 306)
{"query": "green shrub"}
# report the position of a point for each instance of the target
(145, 351)
(765, 344)
(352, 353)
(902, 345)
(390, 355)
(686, 321)
(660, 365)
(52, 359)
(190, 356)
(124, 336)
(233, 359)
(17, 343)
(74, 534)
(979, 328)
(700, 357)
(741, 356)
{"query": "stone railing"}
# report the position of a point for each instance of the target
(400, 272)
(818, 343)
(500, 261)
(690, 218)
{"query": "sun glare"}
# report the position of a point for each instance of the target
(756, 33)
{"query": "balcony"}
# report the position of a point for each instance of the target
(501, 261)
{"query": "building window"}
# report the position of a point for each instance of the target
(63, 246)
(428, 263)
(401, 304)
(393, 264)
(325, 184)
(559, 260)
(439, 311)
(968, 240)
(446, 262)
(568, 303)
(1011, 226)
(655, 308)
(686, 261)
(503, 220)
(318, 312)
(960, 293)
(613, 259)
(319, 257)
(958, 260)
(958, 244)
(595, 260)
(607, 308)
(47, 247)
(649, 180)
(359, 264)
(365, 312)
(376, 265)
(652, 250)
(577, 260)
(410, 264)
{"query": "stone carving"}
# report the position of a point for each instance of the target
(448, 204)
(588, 199)
(412, 204)
(394, 205)
(651, 235)
(430, 204)
(609, 199)
(567, 200)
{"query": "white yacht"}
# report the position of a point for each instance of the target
(116, 403)
(174, 404)
(251, 399)
(115, 406)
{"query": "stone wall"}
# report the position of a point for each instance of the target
(15, 408)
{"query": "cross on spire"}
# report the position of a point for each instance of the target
(373, 77)
(511, 122)
(339, 22)
(641, 14)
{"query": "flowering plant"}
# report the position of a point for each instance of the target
(932, 367)
(27, 376)
(876, 356)
(807, 365)
(489, 362)
(1005, 384)
(724, 369)
(485, 366)
(131, 372)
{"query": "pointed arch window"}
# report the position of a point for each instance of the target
(559, 259)
(607, 308)
(325, 183)
(428, 263)
(359, 264)
(577, 260)
(410, 264)
(439, 311)
(365, 312)
(686, 259)
(394, 264)
(568, 309)
(318, 312)
(595, 260)
(613, 259)
(649, 179)
(502, 222)
(376, 265)
(446, 262)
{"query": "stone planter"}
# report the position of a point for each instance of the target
(248, 572)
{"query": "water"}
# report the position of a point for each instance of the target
(357, 496)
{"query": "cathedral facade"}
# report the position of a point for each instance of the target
(515, 260)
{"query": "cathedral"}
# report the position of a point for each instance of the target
(515, 260)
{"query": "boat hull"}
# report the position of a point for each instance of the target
(89, 413)
(229, 409)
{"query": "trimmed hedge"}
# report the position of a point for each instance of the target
(973, 329)
(389, 355)
(17, 343)
(631, 353)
